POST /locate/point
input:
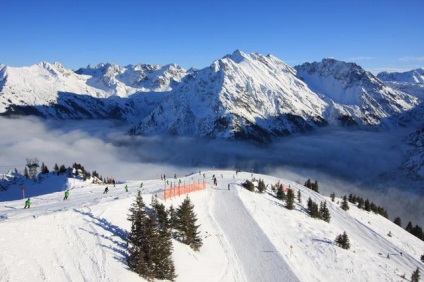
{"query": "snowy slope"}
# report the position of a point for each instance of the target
(247, 237)
(353, 93)
(411, 82)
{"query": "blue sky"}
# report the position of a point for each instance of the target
(376, 34)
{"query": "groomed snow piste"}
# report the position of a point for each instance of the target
(246, 236)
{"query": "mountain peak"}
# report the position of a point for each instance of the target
(237, 56)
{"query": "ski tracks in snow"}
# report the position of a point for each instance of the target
(233, 266)
(260, 259)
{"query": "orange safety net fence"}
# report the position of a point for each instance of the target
(183, 189)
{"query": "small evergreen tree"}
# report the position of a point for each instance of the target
(308, 183)
(261, 186)
(324, 212)
(44, 168)
(409, 227)
(315, 186)
(367, 205)
(299, 197)
(342, 241)
(26, 174)
(290, 199)
(56, 167)
(398, 221)
(62, 169)
(345, 205)
(249, 185)
(186, 225)
(172, 217)
(415, 277)
(333, 196)
(313, 209)
(280, 194)
(140, 241)
(422, 258)
(164, 266)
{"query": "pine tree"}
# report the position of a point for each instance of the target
(415, 277)
(164, 266)
(422, 258)
(398, 221)
(249, 185)
(62, 169)
(342, 241)
(308, 184)
(290, 199)
(409, 227)
(44, 168)
(361, 203)
(186, 225)
(345, 205)
(299, 197)
(172, 217)
(333, 196)
(56, 167)
(313, 209)
(140, 240)
(280, 194)
(367, 205)
(26, 174)
(324, 212)
(315, 186)
(261, 186)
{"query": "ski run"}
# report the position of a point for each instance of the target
(246, 236)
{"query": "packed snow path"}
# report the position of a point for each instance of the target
(258, 256)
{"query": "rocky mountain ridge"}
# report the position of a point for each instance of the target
(240, 96)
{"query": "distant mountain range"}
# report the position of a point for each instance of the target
(411, 82)
(240, 96)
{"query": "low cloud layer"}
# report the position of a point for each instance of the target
(340, 160)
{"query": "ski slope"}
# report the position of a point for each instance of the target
(246, 236)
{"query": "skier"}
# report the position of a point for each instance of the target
(141, 185)
(126, 188)
(113, 181)
(66, 195)
(27, 204)
(106, 190)
(228, 186)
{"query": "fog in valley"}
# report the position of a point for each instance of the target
(341, 160)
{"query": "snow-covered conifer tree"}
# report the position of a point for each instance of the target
(186, 225)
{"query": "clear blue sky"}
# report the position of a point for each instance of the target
(377, 34)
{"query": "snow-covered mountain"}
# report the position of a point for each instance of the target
(240, 96)
(353, 94)
(411, 82)
(51, 90)
(246, 236)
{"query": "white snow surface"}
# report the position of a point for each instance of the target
(352, 91)
(411, 82)
(246, 236)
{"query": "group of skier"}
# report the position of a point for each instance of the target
(28, 202)
(215, 182)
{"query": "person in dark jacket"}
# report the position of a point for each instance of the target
(106, 190)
